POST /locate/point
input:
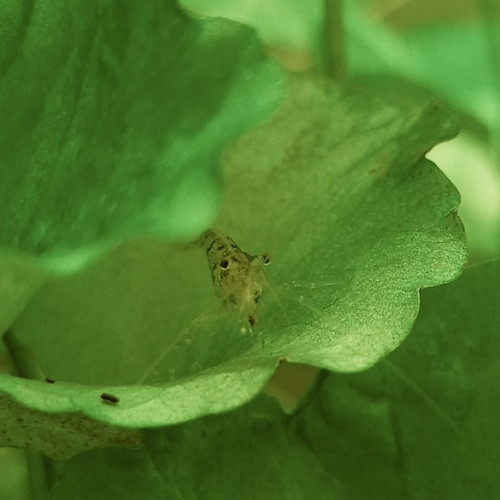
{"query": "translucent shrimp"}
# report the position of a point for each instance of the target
(237, 276)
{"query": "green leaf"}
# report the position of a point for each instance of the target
(58, 435)
(113, 119)
(372, 49)
(101, 475)
(336, 188)
(260, 457)
(455, 60)
(449, 439)
(425, 421)
(418, 425)
(213, 391)
(356, 219)
(301, 31)
(20, 279)
(474, 171)
(247, 454)
(14, 483)
(348, 427)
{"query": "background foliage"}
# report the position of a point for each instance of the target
(110, 165)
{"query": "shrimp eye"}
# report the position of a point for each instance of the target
(224, 264)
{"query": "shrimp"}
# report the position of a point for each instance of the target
(238, 277)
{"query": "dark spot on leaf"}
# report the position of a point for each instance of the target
(109, 398)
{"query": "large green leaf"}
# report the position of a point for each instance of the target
(336, 187)
(357, 220)
(427, 417)
(447, 421)
(213, 391)
(247, 454)
(422, 424)
(456, 60)
(113, 116)
(113, 474)
(349, 428)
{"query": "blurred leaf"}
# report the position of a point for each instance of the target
(294, 30)
(335, 187)
(13, 475)
(260, 457)
(101, 475)
(348, 427)
(454, 60)
(19, 280)
(288, 23)
(113, 119)
(451, 59)
(371, 48)
(449, 438)
(427, 419)
(247, 454)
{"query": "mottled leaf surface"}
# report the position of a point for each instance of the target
(59, 436)
(358, 223)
